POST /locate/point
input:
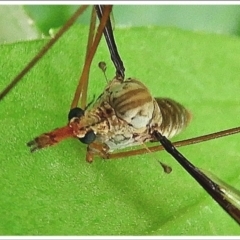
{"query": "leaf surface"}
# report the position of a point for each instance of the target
(55, 192)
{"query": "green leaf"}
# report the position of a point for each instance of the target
(55, 192)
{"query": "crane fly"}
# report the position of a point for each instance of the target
(126, 114)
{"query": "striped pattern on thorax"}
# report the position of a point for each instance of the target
(132, 115)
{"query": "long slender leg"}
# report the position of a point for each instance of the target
(215, 190)
(84, 84)
(108, 33)
(181, 143)
(91, 32)
(86, 68)
(42, 52)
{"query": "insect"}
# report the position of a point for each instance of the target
(82, 135)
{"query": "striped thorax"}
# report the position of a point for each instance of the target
(126, 114)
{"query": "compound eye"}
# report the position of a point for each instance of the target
(75, 112)
(89, 137)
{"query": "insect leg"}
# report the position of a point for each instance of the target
(83, 81)
(42, 52)
(215, 190)
(84, 84)
(181, 143)
(108, 33)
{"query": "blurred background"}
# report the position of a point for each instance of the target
(19, 22)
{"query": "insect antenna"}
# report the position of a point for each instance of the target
(229, 202)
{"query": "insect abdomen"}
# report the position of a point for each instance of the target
(175, 117)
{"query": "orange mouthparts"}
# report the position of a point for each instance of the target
(51, 138)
